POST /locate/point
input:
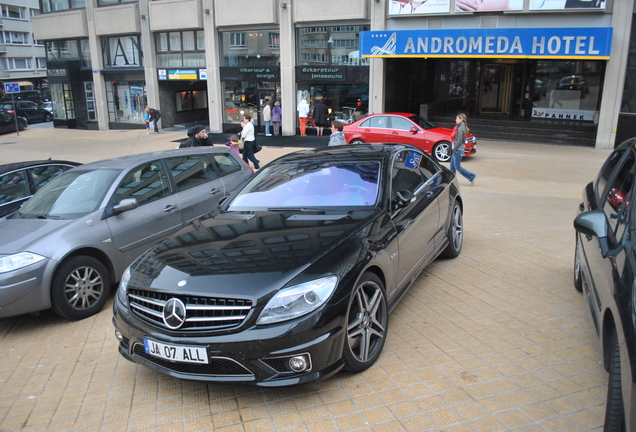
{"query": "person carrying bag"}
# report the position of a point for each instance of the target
(249, 141)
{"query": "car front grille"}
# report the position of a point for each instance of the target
(218, 366)
(202, 313)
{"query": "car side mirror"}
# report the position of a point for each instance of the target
(414, 130)
(594, 224)
(125, 205)
(403, 198)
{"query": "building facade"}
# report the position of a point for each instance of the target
(22, 57)
(211, 61)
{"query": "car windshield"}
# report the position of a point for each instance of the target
(422, 122)
(311, 185)
(70, 195)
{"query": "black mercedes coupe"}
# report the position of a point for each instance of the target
(293, 277)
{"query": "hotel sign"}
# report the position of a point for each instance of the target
(559, 43)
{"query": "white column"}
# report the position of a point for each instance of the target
(287, 69)
(376, 66)
(150, 58)
(614, 82)
(99, 85)
(216, 100)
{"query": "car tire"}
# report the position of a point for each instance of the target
(442, 151)
(357, 141)
(367, 324)
(455, 233)
(614, 410)
(578, 283)
(49, 117)
(22, 126)
(80, 288)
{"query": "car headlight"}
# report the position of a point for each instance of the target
(298, 300)
(19, 260)
(123, 286)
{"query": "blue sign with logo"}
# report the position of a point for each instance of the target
(11, 87)
(563, 43)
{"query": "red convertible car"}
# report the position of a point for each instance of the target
(405, 128)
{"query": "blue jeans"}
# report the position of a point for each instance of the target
(455, 165)
(267, 123)
(248, 154)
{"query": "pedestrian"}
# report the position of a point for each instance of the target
(320, 116)
(233, 144)
(267, 117)
(277, 116)
(198, 137)
(337, 135)
(303, 112)
(155, 115)
(459, 140)
(147, 120)
(247, 135)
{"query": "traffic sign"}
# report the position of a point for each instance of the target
(11, 87)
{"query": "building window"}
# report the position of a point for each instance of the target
(62, 49)
(85, 52)
(60, 5)
(90, 101)
(238, 40)
(328, 46)
(15, 12)
(37, 42)
(180, 49)
(101, 3)
(17, 63)
(274, 41)
(121, 52)
(40, 62)
(16, 38)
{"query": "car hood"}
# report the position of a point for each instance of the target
(33, 235)
(240, 255)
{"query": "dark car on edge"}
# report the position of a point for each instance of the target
(9, 123)
(27, 109)
(604, 270)
(20, 180)
(292, 279)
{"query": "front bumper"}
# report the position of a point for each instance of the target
(256, 355)
(22, 291)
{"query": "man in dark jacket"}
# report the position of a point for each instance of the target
(198, 137)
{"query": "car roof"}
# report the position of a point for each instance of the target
(359, 151)
(28, 164)
(133, 160)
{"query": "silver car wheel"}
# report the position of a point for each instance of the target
(84, 287)
(442, 152)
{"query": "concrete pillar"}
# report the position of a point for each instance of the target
(216, 96)
(376, 66)
(99, 85)
(614, 82)
(287, 69)
(150, 58)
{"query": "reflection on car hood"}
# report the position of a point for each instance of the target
(245, 255)
(17, 235)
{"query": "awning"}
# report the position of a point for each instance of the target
(20, 83)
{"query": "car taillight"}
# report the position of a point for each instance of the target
(10, 111)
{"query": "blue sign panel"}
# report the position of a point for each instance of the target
(562, 43)
(11, 87)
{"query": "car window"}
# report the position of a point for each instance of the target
(190, 171)
(405, 173)
(312, 184)
(226, 163)
(43, 174)
(147, 183)
(400, 123)
(422, 122)
(375, 122)
(617, 200)
(13, 186)
(606, 172)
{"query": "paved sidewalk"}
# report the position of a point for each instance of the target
(495, 340)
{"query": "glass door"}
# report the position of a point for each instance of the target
(495, 89)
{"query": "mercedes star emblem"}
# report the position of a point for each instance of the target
(174, 313)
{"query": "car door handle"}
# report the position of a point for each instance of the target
(170, 207)
(215, 191)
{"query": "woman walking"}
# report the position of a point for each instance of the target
(247, 135)
(459, 140)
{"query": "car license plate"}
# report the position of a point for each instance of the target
(177, 353)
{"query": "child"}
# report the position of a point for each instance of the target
(147, 120)
(233, 143)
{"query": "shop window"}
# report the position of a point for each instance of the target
(62, 97)
(126, 100)
(191, 100)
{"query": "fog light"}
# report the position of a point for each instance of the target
(119, 336)
(298, 363)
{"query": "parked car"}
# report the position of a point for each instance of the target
(605, 271)
(294, 276)
(9, 123)
(27, 109)
(47, 106)
(573, 82)
(30, 95)
(67, 244)
(404, 128)
(20, 180)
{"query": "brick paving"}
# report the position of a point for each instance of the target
(495, 340)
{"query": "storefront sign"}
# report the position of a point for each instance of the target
(563, 114)
(563, 43)
(319, 73)
(121, 52)
(56, 72)
(250, 74)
